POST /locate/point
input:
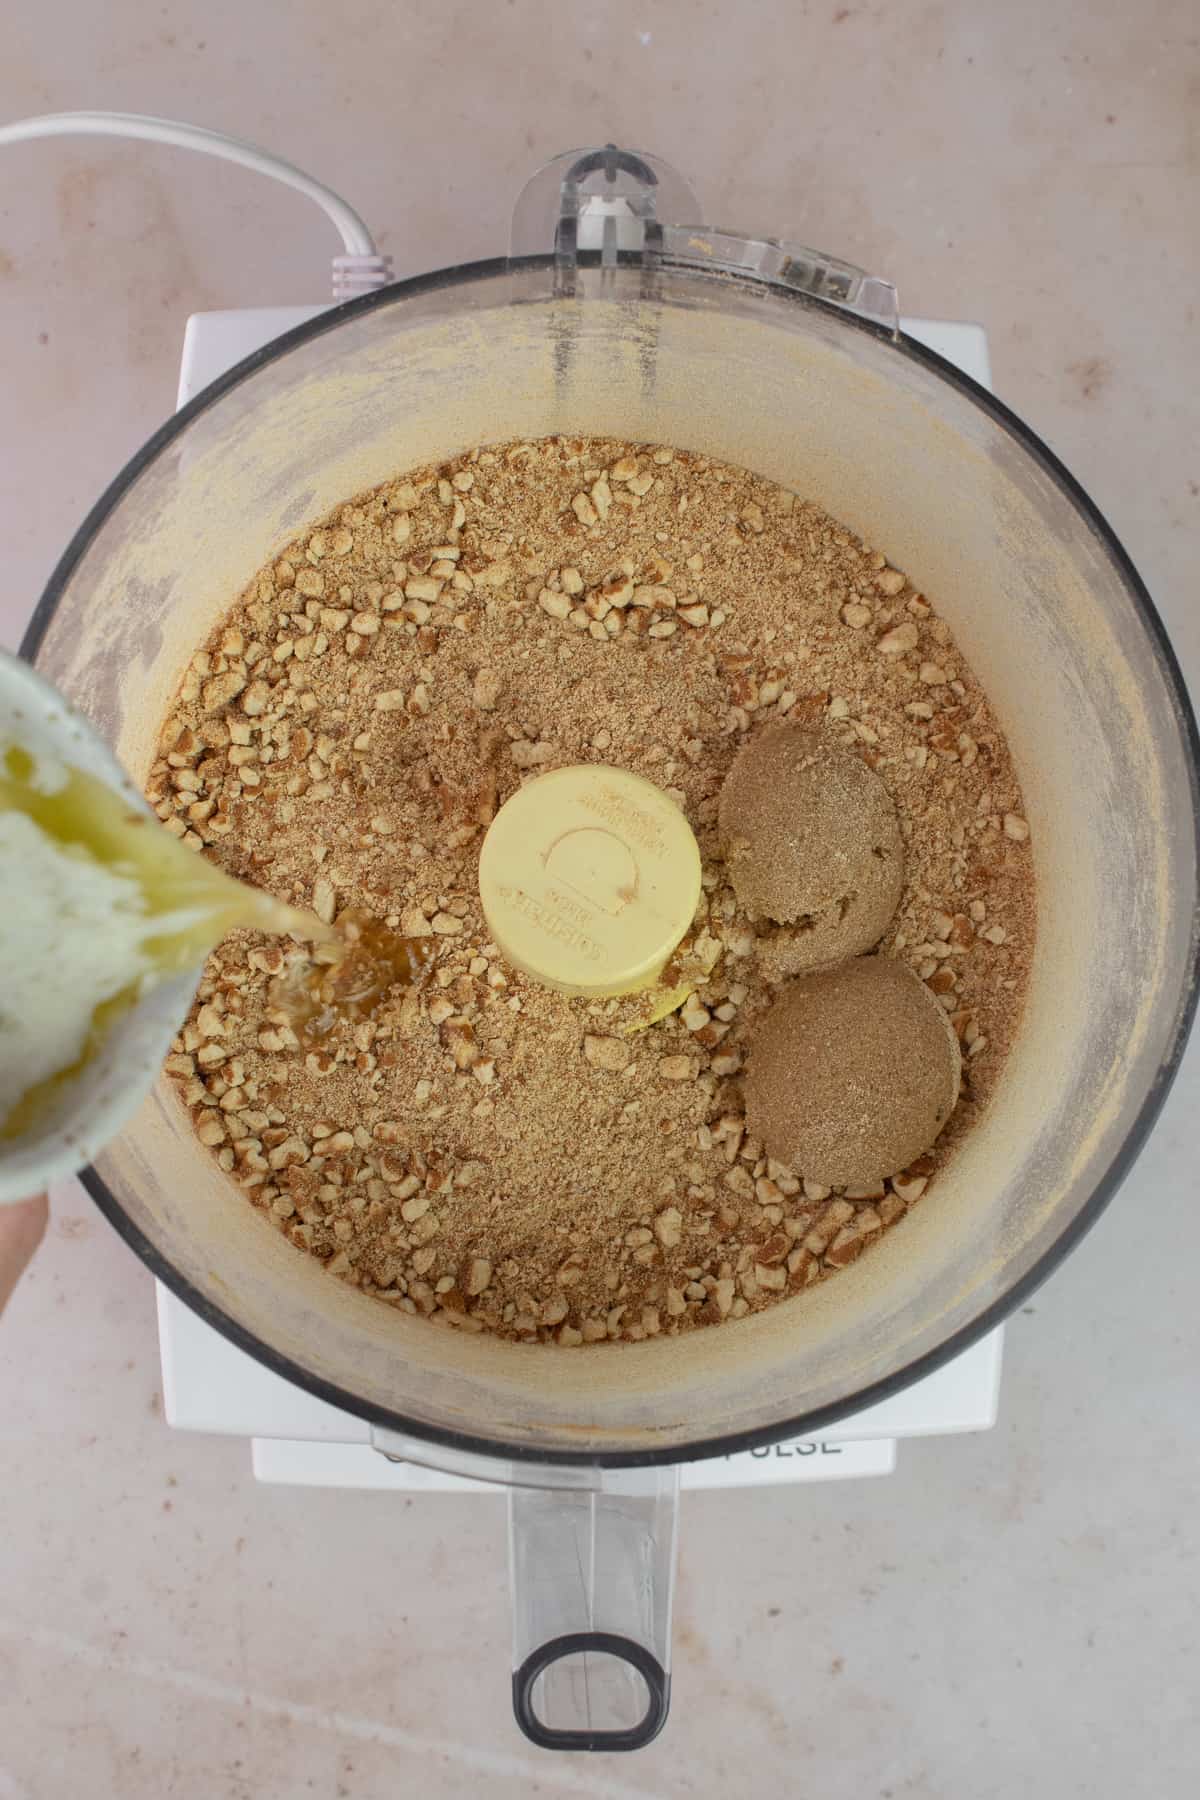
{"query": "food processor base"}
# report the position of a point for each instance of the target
(209, 1385)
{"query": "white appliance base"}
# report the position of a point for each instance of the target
(209, 1385)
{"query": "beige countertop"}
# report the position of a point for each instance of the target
(1008, 1613)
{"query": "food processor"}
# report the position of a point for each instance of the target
(615, 315)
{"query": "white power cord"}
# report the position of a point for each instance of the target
(362, 267)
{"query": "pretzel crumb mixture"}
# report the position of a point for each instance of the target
(482, 1151)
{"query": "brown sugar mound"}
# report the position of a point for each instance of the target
(813, 844)
(853, 1072)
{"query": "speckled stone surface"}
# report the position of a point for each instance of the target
(1009, 1613)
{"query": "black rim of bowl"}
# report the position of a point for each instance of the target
(803, 1424)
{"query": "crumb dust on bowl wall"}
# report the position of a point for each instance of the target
(906, 458)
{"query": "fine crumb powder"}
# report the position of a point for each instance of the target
(483, 1151)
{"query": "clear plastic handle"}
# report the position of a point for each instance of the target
(593, 1572)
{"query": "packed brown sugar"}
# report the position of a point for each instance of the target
(472, 1146)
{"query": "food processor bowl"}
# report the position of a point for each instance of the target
(792, 366)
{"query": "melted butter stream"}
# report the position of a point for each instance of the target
(350, 974)
(350, 980)
(688, 967)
